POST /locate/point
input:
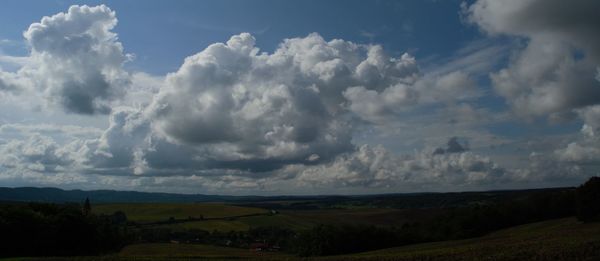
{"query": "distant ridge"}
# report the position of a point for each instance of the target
(57, 195)
(426, 199)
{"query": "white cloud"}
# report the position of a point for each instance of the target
(36, 153)
(75, 60)
(232, 117)
(377, 167)
(555, 72)
(586, 149)
(281, 107)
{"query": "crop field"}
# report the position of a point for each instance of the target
(562, 239)
(152, 212)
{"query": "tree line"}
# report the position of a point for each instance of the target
(42, 229)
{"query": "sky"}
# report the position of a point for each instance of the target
(299, 97)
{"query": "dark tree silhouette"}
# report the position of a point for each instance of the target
(588, 200)
(41, 229)
(87, 208)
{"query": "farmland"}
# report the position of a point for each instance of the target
(560, 239)
(223, 217)
(147, 212)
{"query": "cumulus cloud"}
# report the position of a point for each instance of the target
(235, 117)
(377, 167)
(586, 149)
(554, 74)
(377, 106)
(284, 107)
(115, 148)
(231, 110)
(555, 71)
(10, 83)
(36, 153)
(75, 60)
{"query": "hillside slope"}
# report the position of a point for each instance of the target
(561, 239)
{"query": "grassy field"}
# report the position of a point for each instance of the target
(152, 212)
(562, 239)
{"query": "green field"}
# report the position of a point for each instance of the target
(561, 239)
(152, 212)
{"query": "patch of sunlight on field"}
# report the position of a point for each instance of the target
(151, 212)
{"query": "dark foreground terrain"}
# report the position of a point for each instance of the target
(546, 224)
(558, 239)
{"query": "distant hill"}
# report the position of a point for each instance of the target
(60, 196)
(410, 200)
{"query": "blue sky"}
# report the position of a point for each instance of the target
(162, 33)
(298, 97)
